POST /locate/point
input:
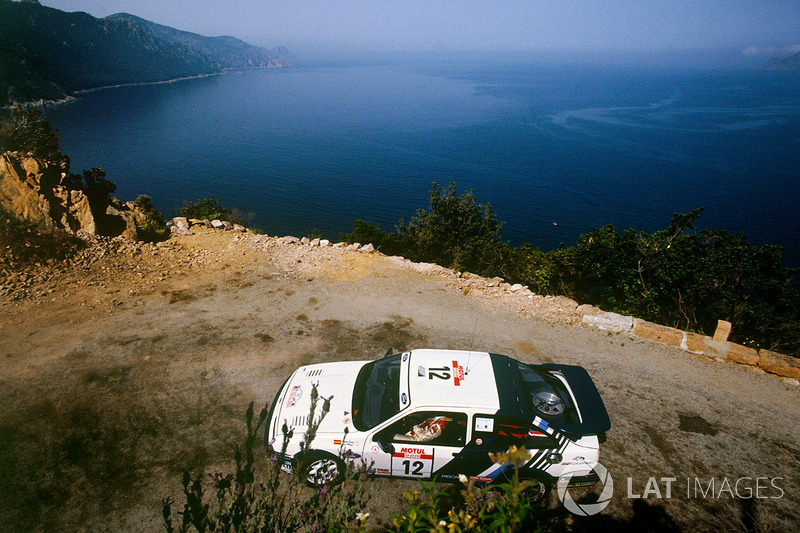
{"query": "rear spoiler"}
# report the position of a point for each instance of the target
(590, 404)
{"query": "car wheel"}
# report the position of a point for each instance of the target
(320, 468)
(536, 489)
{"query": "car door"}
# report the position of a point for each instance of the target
(417, 444)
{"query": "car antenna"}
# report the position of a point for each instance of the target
(471, 342)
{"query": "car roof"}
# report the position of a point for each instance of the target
(452, 378)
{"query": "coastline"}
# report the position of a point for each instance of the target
(74, 95)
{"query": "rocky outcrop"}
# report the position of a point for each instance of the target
(33, 190)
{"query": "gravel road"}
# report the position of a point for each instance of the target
(138, 361)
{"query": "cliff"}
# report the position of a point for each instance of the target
(48, 54)
(38, 193)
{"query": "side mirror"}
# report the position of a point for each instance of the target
(388, 353)
(386, 447)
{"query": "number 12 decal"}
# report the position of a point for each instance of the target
(418, 466)
(440, 372)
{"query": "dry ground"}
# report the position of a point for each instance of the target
(137, 362)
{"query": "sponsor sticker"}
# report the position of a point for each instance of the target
(458, 374)
(294, 396)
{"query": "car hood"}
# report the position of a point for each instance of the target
(334, 384)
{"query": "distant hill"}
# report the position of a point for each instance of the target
(229, 51)
(47, 54)
(791, 62)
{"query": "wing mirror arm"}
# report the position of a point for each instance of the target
(385, 446)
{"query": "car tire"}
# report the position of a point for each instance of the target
(537, 489)
(320, 468)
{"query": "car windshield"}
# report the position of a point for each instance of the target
(546, 396)
(376, 394)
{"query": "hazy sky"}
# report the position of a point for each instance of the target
(754, 26)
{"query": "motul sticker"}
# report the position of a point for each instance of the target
(412, 461)
(458, 374)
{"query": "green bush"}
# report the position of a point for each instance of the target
(152, 228)
(687, 279)
(207, 209)
(265, 499)
(503, 507)
(456, 232)
(27, 132)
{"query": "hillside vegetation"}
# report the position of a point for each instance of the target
(678, 276)
(47, 54)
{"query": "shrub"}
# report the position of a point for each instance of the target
(456, 232)
(27, 132)
(207, 209)
(151, 228)
(266, 499)
(503, 507)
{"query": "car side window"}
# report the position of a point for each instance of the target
(434, 427)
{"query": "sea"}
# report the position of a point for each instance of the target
(556, 149)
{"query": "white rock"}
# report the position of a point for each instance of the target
(217, 224)
(324, 242)
(610, 322)
(304, 241)
(367, 248)
(239, 227)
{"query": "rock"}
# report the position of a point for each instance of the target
(367, 248)
(239, 227)
(353, 247)
(304, 241)
(723, 331)
(655, 332)
(588, 309)
(32, 190)
(217, 224)
(715, 349)
(177, 221)
(516, 287)
(227, 225)
(288, 239)
(776, 363)
(314, 242)
(324, 242)
(693, 343)
(743, 355)
(791, 381)
(610, 322)
(195, 222)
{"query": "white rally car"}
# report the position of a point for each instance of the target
(438, 413)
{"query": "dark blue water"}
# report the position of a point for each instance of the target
(557, 150)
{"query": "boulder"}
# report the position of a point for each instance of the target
(367, 248)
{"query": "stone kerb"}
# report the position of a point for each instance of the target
(716, 347)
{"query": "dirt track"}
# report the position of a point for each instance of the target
(121, 371)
